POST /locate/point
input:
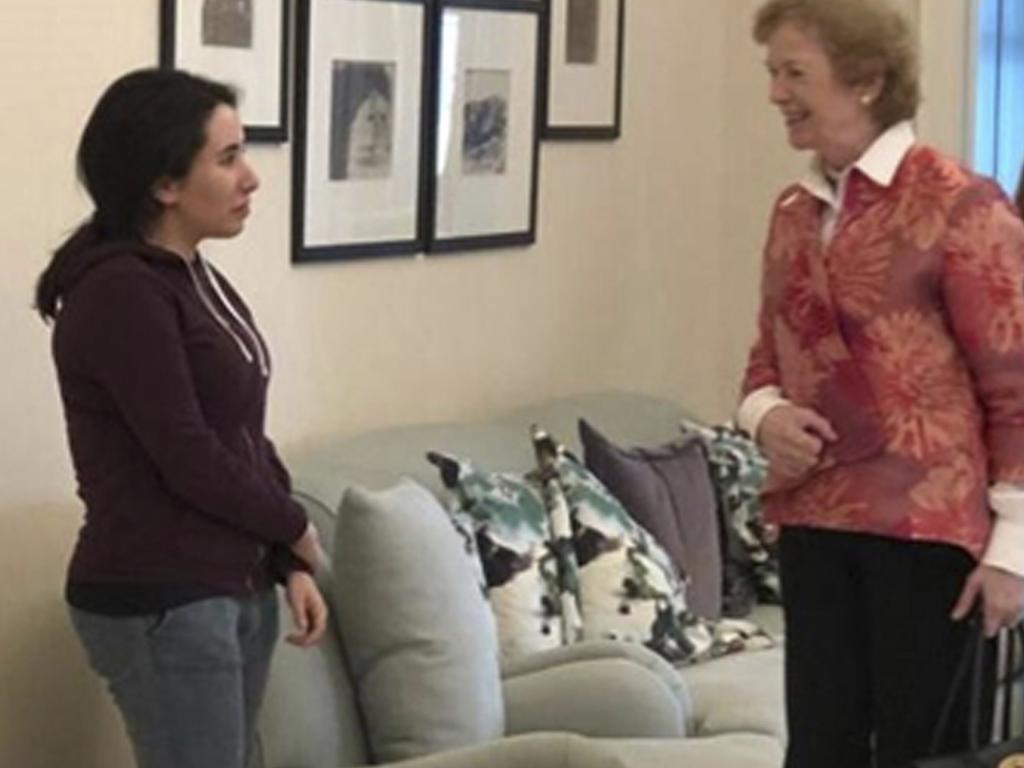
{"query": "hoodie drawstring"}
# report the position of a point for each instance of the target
(261, 354)
(222, 322)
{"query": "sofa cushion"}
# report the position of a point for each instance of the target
(667, 489)
(569, 750)
(417, 632)
(738, 470)
(603, 698)
(512, 531)
(738, 693)
(629, 589)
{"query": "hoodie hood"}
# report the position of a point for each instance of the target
(85, 250)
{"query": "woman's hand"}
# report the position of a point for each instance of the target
(792, 439)
(1002, 595)
(309, 611)
(308, 548)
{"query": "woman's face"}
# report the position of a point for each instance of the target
(212, 200)
(822, 113)
(369, 149)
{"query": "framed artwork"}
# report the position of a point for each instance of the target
(486, 124)
(584, 69)
(240, 42)
(360, 100)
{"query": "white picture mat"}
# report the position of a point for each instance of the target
(363, 210)
(583, 95)
(255, 72)
(492, 204)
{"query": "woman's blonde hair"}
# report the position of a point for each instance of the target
(864, 40)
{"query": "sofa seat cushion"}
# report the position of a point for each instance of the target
(741, 692)
(608, 698)
(564, 750)
(418, 634)
(735, 750)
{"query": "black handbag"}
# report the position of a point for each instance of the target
(1008, 753)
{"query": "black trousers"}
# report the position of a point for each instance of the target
(870, 648)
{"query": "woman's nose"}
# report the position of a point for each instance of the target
(777, 92)
(250, 180)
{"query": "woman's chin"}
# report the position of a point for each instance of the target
(799, 138)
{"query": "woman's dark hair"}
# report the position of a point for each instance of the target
(148, 125)
(1020, 193)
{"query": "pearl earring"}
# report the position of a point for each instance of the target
(866, 99)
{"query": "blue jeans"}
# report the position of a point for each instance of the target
(188, 681)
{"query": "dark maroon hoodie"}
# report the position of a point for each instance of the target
(163, 377)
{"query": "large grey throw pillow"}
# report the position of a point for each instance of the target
(667, 489)
(417, 631)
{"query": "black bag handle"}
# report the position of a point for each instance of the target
(1011, 674)
(973, 661)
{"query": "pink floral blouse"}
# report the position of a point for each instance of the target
(906, 331)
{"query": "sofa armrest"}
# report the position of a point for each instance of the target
(603, 698)
(309, 717)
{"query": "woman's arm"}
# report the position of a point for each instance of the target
(983, 294)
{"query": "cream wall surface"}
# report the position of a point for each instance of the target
(644, 276)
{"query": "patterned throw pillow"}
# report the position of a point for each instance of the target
(738, 470)
(628, 586)
(505, 515)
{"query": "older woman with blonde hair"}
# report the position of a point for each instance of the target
(886, 387)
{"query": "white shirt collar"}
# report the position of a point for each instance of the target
(879, 162)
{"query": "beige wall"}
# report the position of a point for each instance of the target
(643, 276)
(945, 78)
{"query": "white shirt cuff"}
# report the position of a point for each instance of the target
(1006, 544)
(756, 405)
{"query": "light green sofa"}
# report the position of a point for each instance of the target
(593, 704)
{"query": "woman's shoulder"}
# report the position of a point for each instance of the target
(116, 280)
(790, 195)
(928, 166)
(119, 264)
(933, 171)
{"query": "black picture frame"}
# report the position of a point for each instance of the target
(487, 198)
(249, 51)
(583, 98)
(372, 204)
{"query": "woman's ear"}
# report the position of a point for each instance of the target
(871, 90)
(166, 191)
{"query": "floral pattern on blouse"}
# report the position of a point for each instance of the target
(906, 331)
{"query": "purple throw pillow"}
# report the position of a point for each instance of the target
(668, 491)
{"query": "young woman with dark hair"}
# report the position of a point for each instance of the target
(163, 376)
